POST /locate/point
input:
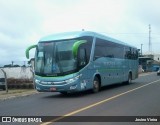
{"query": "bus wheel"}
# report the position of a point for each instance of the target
(96, 85)
(129, 78)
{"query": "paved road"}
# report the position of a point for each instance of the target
(141, 98)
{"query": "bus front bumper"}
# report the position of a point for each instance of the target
(67, 86)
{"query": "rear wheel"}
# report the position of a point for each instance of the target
(129, 78)
(96, 85)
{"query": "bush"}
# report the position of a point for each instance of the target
(19, 83)
(23, 86)
(30, 86)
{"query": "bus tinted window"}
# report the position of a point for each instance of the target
(105, 48)
(131, 53)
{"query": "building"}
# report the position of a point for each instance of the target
(157, 57)
(150, 62)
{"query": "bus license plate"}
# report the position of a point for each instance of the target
(53, 89)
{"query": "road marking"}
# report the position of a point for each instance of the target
(97, 103)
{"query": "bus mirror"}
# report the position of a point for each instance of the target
(28, 49)
(75, 47)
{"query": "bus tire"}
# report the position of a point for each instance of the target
(96, 85)
(129, 79)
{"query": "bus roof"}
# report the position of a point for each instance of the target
(76, 34)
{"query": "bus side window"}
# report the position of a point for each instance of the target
(100, 49)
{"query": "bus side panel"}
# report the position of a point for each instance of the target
(131, 66)
(134, 64)
(86, 79)
(98, 67)
(126, 69)
(110, 70)
(119, 70)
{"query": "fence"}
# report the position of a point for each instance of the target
(18, 77)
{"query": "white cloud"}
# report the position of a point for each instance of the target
(84, 14)
(23, 23)
(19, 22)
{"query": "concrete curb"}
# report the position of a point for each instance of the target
(7, 96)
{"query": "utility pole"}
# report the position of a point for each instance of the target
(12, 63)
(150, 46)
(5, 77)
(24, 63)
(141, 49)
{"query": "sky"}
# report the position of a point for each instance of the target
(24, 22)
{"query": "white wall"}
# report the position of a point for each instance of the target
(17, 72)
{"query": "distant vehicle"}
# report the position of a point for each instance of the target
(2, 83)
(158, 72)
(155, 68)
(78, 61)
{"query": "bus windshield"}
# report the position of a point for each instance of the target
(56, 58)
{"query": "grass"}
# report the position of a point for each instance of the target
(13, 91)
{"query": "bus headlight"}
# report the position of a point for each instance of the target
(37, 81)
(73, 79)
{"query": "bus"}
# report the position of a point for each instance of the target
(82, 60)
